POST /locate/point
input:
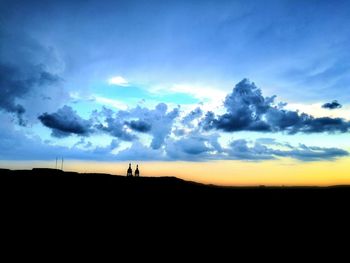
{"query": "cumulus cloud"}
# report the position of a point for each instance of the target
(191, 116)
(189, 147)
(248, 110)
(157, 122)
(122, 124)
(162, 122)
(114, 125)
(332, 105)
(65, 122)
(175, 138)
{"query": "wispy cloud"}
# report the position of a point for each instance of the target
(117, 104)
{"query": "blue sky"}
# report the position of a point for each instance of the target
(174, 80)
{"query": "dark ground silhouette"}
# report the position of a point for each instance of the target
(106, 184)
(55, 194)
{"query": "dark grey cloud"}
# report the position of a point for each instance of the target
(248, 110)
(139, 125)
(16, 84)
(121, 124)
(332, 105)
(25, 73)
(66, 122)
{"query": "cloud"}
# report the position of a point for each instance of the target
(158, 121)
(28, 71)
(187, 147)
(114, 125)
(305, 153)
(162, 122)
(65, 122)
(118, 80)
(193, 115)
(241, 150)
(15, 145)
(16, 84)
(202, 148)
(107, 150)
(332, 105)
(121, 124)
(248, 110)
(139, 126)
(194, 147)
(139, 151)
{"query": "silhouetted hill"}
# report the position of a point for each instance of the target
(53, 180)
(58, 194)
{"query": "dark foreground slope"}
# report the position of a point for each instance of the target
(64, 195)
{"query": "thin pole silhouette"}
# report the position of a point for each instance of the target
(62, 164)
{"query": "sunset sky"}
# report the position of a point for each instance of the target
(223, 92)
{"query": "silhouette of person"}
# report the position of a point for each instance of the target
(129, 172)
(137, 171)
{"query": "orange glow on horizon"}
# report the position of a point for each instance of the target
(235, 173)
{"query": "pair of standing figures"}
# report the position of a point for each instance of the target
(129, 172)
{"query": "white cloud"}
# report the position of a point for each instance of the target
(210, 97)
(111, 102)
(316, 110)
(118, 80)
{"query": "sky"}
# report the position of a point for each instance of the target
(225, 92)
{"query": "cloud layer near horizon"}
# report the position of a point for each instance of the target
(195, 136)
